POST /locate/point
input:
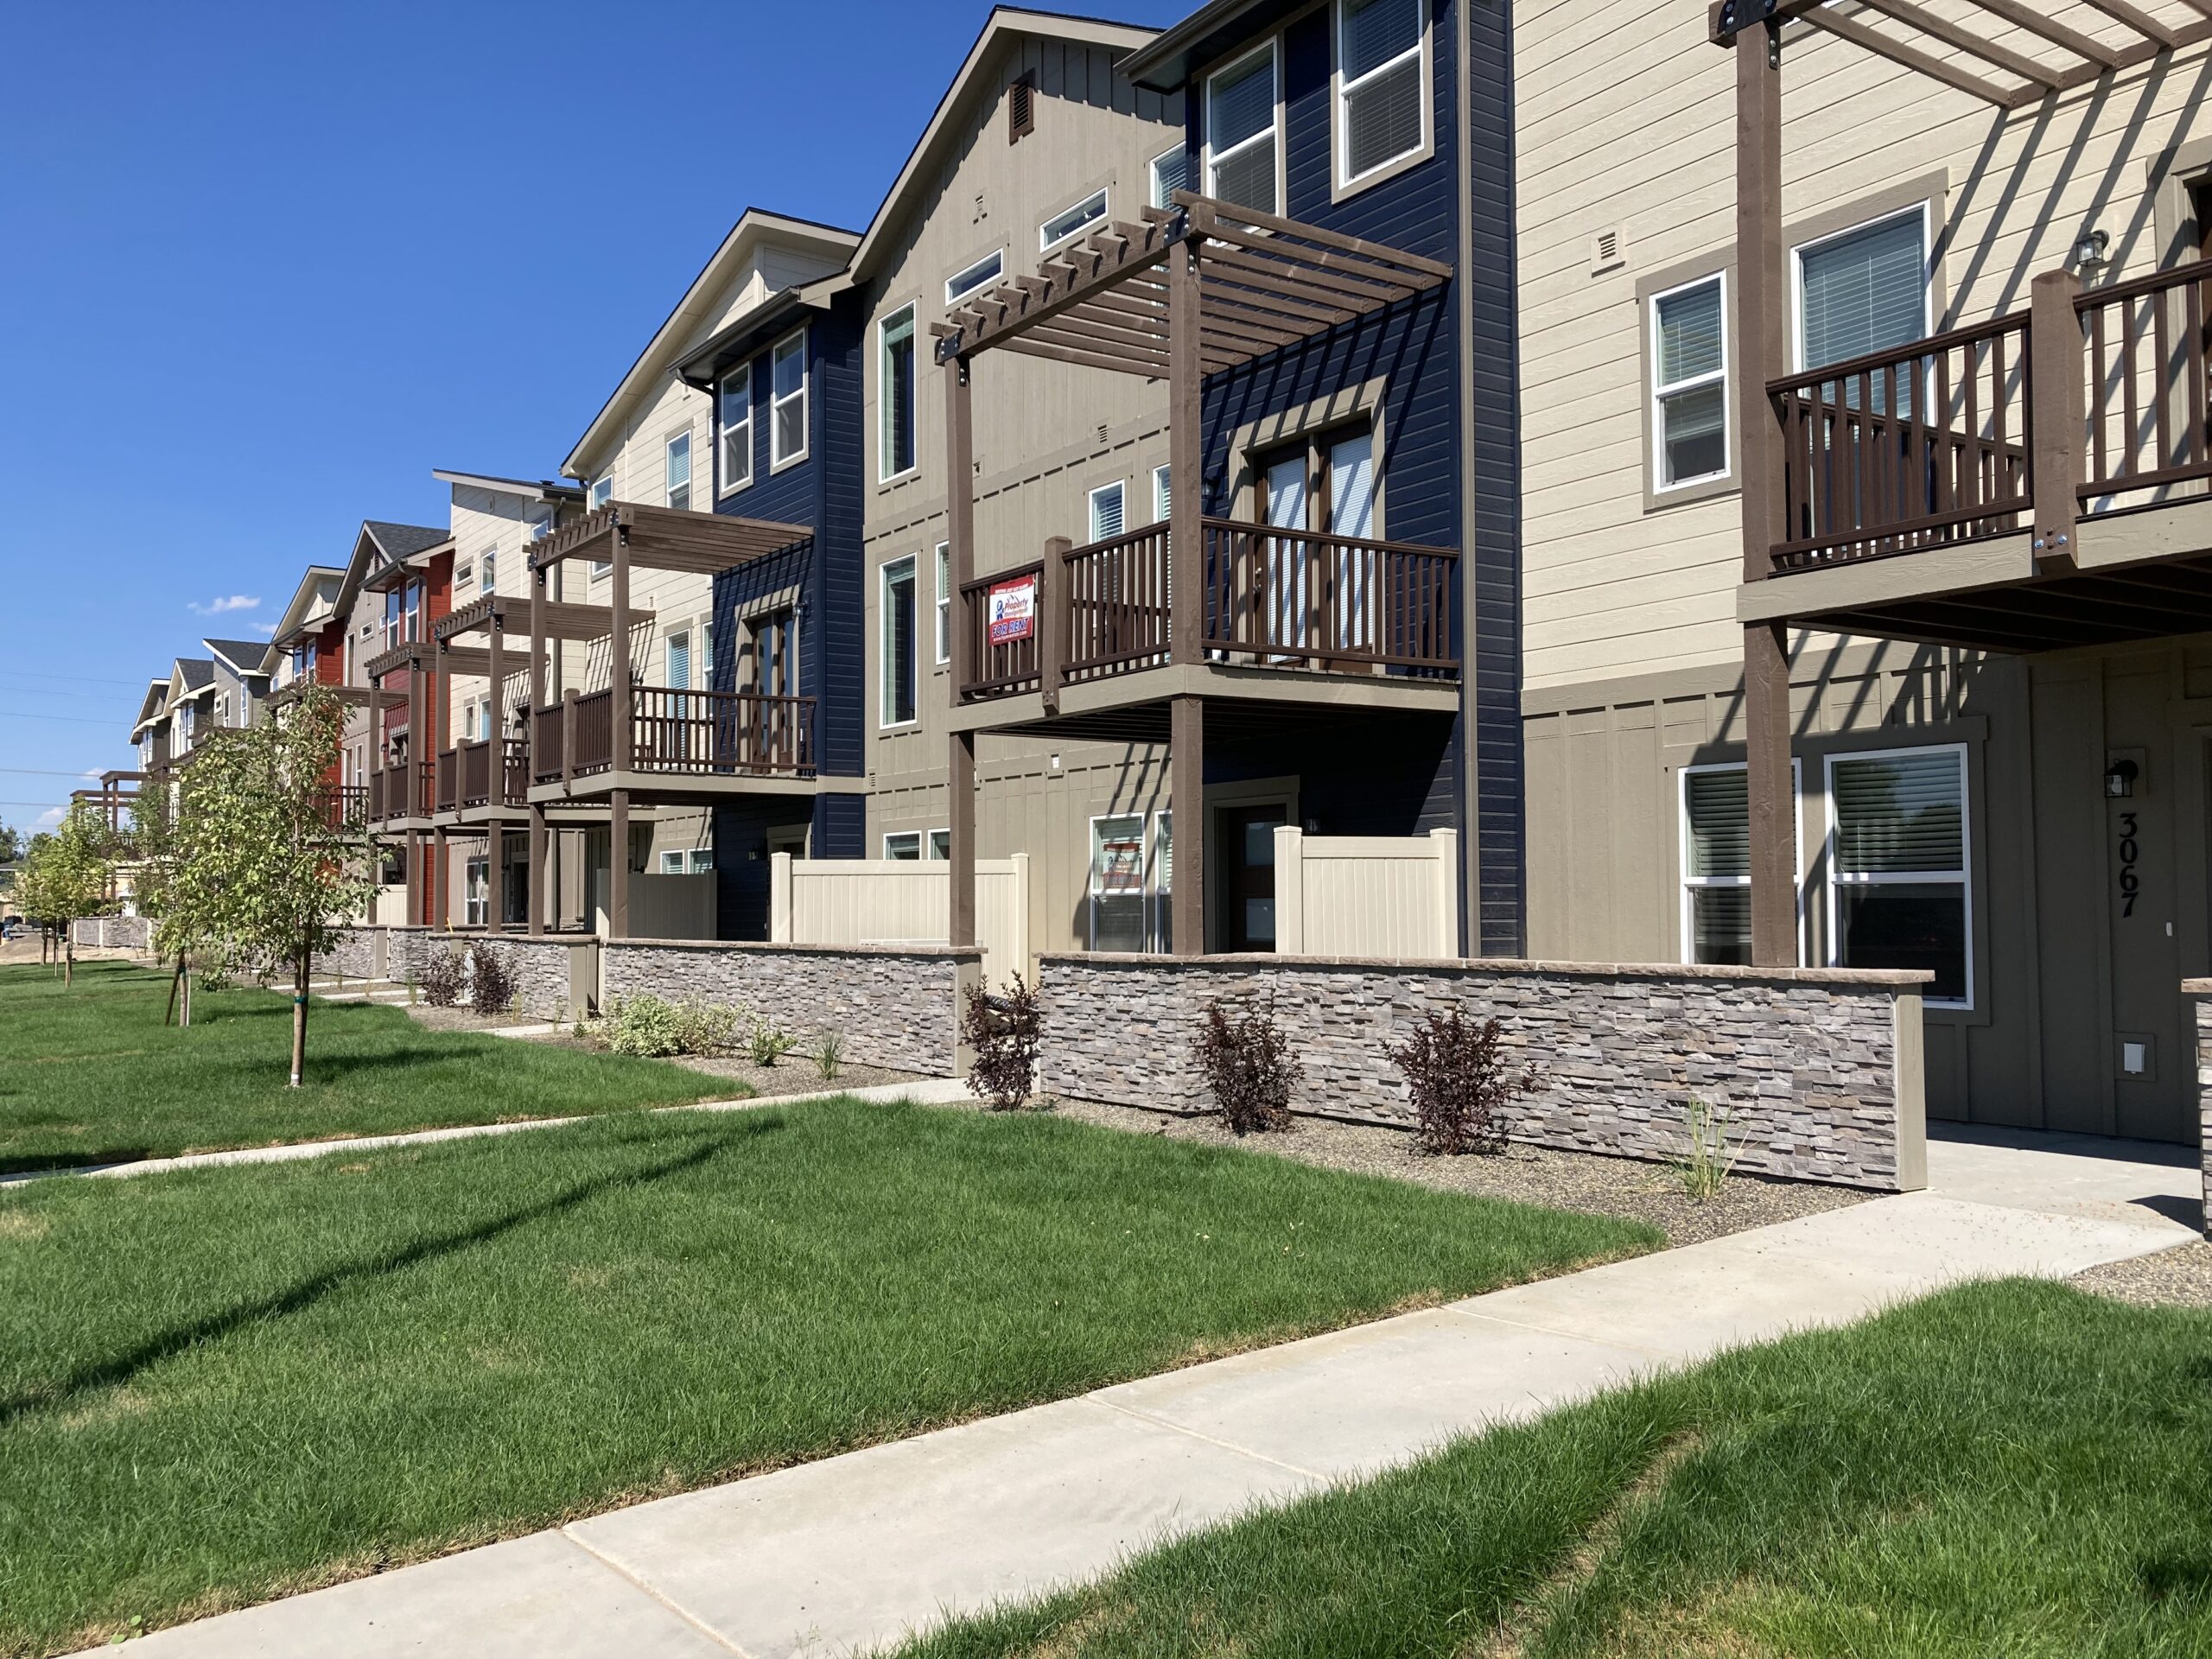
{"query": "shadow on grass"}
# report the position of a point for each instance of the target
(308, 1292)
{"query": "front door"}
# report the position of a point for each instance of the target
(1247, 877)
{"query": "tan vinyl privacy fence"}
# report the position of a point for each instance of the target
(1388, 897)
(661, 907)
(894, 901)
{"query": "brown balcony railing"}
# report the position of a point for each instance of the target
(449, 773)
(515, 772)
(1301, 597)
(1906, 449)
(547, 727)
(696, 733)
(2146, 404)
(342, 805)
(1117, 603)
(1009, 665)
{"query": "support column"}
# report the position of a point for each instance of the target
(960, 517)
(960, 794)
(1186, 461)
(414, 878)
(495, 771)
(538, 895)
(618, 650)
(617, 865)
(1762, 311)
(441, 897)
(537, 889)
(1186, 762)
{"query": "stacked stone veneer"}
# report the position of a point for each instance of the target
(2201, 990)
(353, 954)
(890, 1006)
(109, 932)
(1818, 1071)
(542, 988)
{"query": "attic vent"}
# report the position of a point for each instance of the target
(1101, 433)
(1021, 108)
(1605, 251)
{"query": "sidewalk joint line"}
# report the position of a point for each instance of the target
(643, 1588)
(1208, 1440)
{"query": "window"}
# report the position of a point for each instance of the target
(541, 522)
(464, 576)
(983, 272)
(734, 406)
(1382, 109)
(1117, 883)
(895, 388)
(1106, 517)
(1865, 291)
(676, 650)
(1689, 384)
(1163, 880)
(939, 846)
(944, 602)
(478, 904)
(679, 471)
(696, 861)
(907, 844)
(1717, 862)
(1897, 851)
(488, 574)
(602, 491)
(899, 683)
(775, 654)
(1171, 171)
(414, 592)
(787, 399)
(1241, 132)
(1091, 210)
(222, 708)
(1163, 494)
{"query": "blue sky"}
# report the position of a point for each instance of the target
(269, 264)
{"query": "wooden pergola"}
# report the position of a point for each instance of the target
(627, 535)
(1193, 291)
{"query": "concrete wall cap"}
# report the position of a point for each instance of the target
(1902, 979)
(754, 947)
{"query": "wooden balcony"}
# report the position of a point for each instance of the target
(403, 792)
(2039, 480)
(719, 740)
(464, 776)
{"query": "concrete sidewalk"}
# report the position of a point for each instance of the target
(856, 1550)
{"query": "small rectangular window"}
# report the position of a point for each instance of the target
(1381, 113)
(1241, 132)
(1863, 291)
(1171, 171)
(1091, 210)
(1716, 853)
(1117, 904)
(733, 413)
(1897, 854)
(1106, 517)
(602, 491)
(541, 522)
(488, 574)
(944, 602)
(1689, 384)
(1163, 494)
(982, 274)
(939, 846)
(1163, 881)
(677, 652)
(672, 863)
(679, 471)
(905, 844)
(899, 689)
(787, 399)
(895, 389)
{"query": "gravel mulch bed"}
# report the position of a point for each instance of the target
(1560, 1180)
(458, 1019)
(792, 1074)
(2180, 1277)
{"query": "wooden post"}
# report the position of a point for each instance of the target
(414, 877)
(619, 651)
(1186, 787)
(495, 771)
(960, 517)
(1762, 310)
(960, 793)
(618, 865)
(539, 892)
(1052, 621)
(568, 736)
(536, 889)
(1186, 461)
(440, 901)
(2056, 415)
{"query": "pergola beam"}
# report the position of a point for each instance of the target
(1913, 58)
(1913, 14)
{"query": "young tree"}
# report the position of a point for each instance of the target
(153, 852)
(11, 844)
(265, 870)
(66, 876)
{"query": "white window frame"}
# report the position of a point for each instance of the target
(1047, 241)
(1798, 251)
(1659, 486)
(943, 603)
(778, 461)
(954, 292)
(487, 571)
(911, 312)
(602, 495)
(914, 836)
(1686, 918)
(1207, 160)
(1162, 498)
(1091, 508)
(725, 430)
(687, 860)
(1340, 91)
(1147, 828)
(929, 854)
(1963, 877)
(913, 569)
(1162, 198)
(668, 468)
(476, 890)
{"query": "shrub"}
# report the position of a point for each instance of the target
(440, 977)
(651, 1028)
(701, 1028)
(770, 1043)
(831, 1057)
(1247, 1065)
(1456, 1071)
(493, 977)
(1003, 1031)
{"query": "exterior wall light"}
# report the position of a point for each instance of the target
(2119, 780)
(2089, 253)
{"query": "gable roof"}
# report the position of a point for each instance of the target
(543, 489)
(190, 677)
(312, 602)
(754, 227)
(399, 543)
(945, 129)
(1214, 29)
(152, 706)
(240, 656)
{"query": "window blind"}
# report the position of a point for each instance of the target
(1900, 814)
(1720, 810)
(898, 391)
(1380, 67)
(1106, 515)
(1864, 291)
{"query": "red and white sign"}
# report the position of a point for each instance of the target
(1012, 610)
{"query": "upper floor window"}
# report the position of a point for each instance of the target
(488, 572)
(787, 399)
(678, 476)
(898, 667)
(541, 522)
(982, 274)
(602, 491)
(734, 406)
(944, 602)
(1091, 210)
(222, 708)
(1108, 510)
(1163, 494)
(1171, 171)
(1864, 290)
(1241, 103)
(895, 389)
(1381, 106)
(677, 651)
(1689, 383)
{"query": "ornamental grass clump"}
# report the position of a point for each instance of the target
(1460, 1083)
(1248, 1065)
(1003, 1032)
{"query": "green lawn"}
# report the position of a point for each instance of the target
(2012, 1468)
(89, 1074)
(220, 1384)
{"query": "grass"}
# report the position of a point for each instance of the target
(2012, 1468)
(220, 1385)
(89, 1074)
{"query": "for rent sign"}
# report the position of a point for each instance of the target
(1013, 610)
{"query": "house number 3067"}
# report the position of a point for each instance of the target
(2130, 883)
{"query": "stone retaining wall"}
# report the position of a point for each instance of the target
(890, 1006)
(1818, 1070)
(2201, 990)
(355, 954)
(110, 933)
(543, 986)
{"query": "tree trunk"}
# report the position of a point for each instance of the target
(175, 980)
(299, 1017)
(184, 1015)
(69, 969)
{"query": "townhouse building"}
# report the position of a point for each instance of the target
(1863, 368)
